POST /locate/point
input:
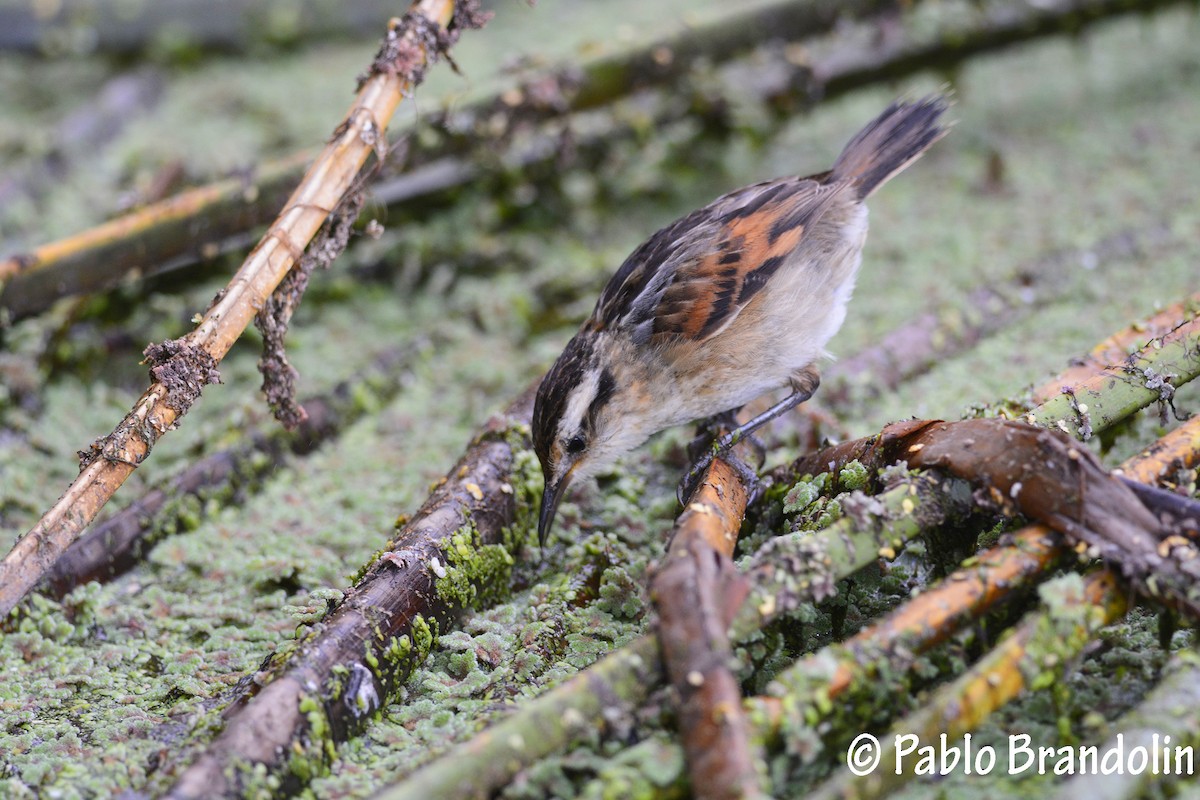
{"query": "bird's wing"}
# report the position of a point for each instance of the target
(690, 280)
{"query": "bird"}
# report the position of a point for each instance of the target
(730, 302)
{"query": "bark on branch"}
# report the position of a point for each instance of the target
(890, 647)
(696, 592)
(1043, 645)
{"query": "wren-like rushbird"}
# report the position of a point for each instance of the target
(732, 301)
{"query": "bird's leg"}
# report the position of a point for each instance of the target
(709, 429)
(804, 385)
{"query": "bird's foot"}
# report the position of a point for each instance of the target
(723, 448)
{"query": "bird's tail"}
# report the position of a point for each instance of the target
(889, 143)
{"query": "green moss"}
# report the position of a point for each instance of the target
(650, 769)
(398, 650)
(423, 633)
(526, 482)
(319, 748)
(853, 477)
(473, 573)
(812, 504)
(803, 494)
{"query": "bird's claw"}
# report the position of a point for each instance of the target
(691, 480)
(721, 448)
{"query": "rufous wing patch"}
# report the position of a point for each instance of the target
(750, 241)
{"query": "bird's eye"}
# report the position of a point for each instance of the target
(576, 444)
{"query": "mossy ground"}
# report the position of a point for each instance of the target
(1099, 137)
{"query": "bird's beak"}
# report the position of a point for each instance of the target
(551, 497)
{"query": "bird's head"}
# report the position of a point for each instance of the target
(577, 420)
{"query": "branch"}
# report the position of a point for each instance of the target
(1115, 349)
(1147, 376)
(696, 592)
(804, 567)
(167, 231)
(184, 366)
(1111, 393)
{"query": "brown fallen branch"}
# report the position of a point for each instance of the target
(932, 617)
(623, 679)
(207, 220)
(325, 690)
(119, 543)
(1165, 458)
(696, 592)
(182, 367)
(477, 769)
(813, 688)
(1048, 640)
(890, 646)
(1043, 475)
(1148, 376)
(183, 229)
(1111, 394)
